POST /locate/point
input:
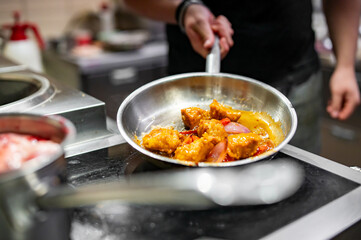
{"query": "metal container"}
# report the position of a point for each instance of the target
(20, 217)
(159, 103)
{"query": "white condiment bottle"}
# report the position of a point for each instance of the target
(20, 49)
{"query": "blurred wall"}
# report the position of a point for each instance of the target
(51, 16)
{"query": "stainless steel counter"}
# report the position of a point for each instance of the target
(54, 98)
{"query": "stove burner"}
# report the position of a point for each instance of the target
(19, 91)
(11, 91)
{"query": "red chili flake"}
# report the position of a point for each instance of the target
(261, 149)
(188, 132)
(228, 158)
(225, 121)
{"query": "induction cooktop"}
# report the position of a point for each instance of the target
(325, 184)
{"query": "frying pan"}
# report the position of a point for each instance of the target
(158, 103)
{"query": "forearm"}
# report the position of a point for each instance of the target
(160, 10)
(343, 18)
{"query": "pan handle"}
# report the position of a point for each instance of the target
(66, 197)
(262, 183)
(161, 189)
(213, 62)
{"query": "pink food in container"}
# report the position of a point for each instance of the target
(16, 149)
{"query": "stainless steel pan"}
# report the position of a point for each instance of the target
(160, 102)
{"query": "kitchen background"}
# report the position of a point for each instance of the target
(109, 59)
(52, 16)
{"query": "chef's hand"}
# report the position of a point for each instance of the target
(345, 94)
(201, 25)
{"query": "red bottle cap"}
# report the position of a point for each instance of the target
(18, 29)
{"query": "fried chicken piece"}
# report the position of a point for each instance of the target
(219, 111)
(196, 151)
(243, 145)
(162, 139)
(213, 128)
(192, 115)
